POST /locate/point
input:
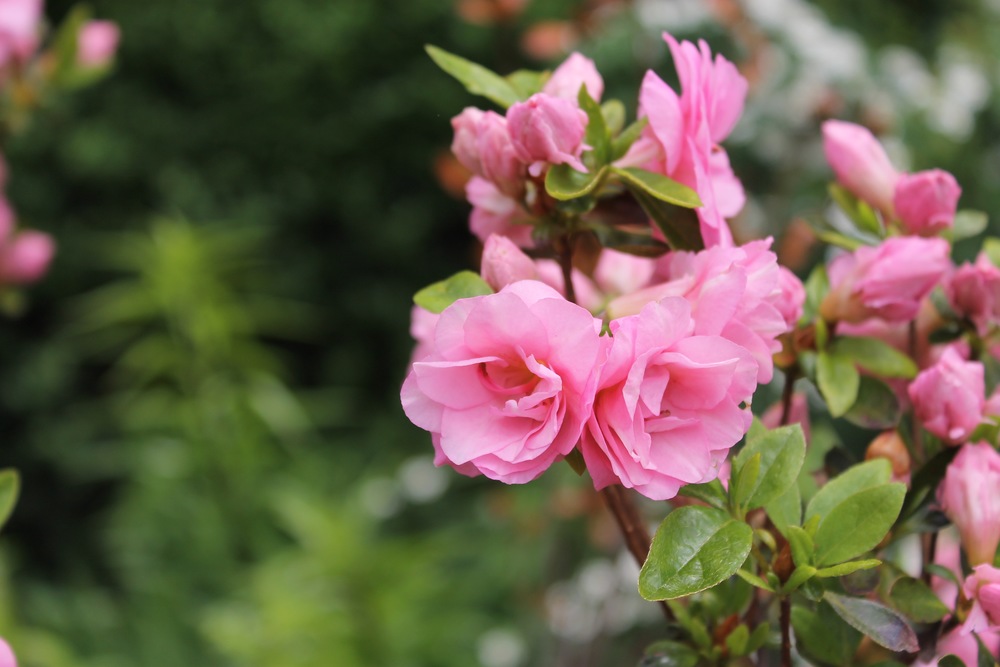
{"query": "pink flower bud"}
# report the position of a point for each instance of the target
(983, 588)
(926, 201)
(26, 257)
(974, 292)
(887, 281)
(962, 645)
(504, 263)
(575, 71)
(948, 397)
(792, 296)
(547, 130)
(860, 163)
(20, 22)
(97, 43)
(968, 495)
(465, 144)
(7, 658)
(497, 159)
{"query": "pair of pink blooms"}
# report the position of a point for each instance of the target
(21, 28)
(924, 203)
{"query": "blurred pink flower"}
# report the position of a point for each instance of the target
(25, 257)
(509, 383)
(20, 25)
(668, 406)
(504, 263)
(968, 495)
(974, 292)
(983, 588)
(948, 398)
(926, 201)
(961, 645)
(577, 70)
(97, 43)
(793, 297)
(860, 163)
(422, 323)
(7, 658)
(465, 140)
(547, 130)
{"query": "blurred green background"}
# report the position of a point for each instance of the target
(202, 396)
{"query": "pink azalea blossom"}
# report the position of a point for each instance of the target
(963, 646)
(504, 263)
(968, 495)
(926, 201)
(577, 70)
(974, 292)
(948, 397)
(497, 157)
(20, 24)
(422, 323)
(619, 273)
(860, 163)
(97, 43)
(25, 257)
(793, 297)
(733, 292)
(465, 141)
(887, 281)
(668, 404)
(7, 658)
(510, 381)
(493, 212)
(547, 130)
(983, 588)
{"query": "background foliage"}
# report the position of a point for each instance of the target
(203, 395)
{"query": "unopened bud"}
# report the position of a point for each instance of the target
(889, 445)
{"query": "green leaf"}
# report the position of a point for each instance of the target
(857, 478)
(669, 653)
(785, 510)
(744, 480)
(823, 637)
(917, 601)
(838, 380)
(876, 406)
(845, 569)
(885, 626)
(839, 240)
(639, 243)
(951, 660)
(563, 182)
(944, 573)
(758, 637)
(679, 225)
(816, 285)
(782, 451)
(754, 580)
(991, 246)
(576, 462)
(860, 213)
(876, 356)
(711, 493)
(628, 136)
(984, 657)
(802, 546)
(858, 524)
(614, 115)
(10, 488)
(924, 482)
(477, 79)
(440, 295)
(659, 186)
(968, 223)
(527, 82)
(801, 575)
(597, 135)
(694, 548)
(737, 640)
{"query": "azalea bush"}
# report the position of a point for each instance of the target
(616, 324)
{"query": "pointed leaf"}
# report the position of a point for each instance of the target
(782, 451)
(477, 79)
(744, 479)
(442, 294)
(597, 135)
(694, 548)
(659, 186)
(858, 524)
(823, 636)
(860, 213)
(10, 488)
(563, 182)
(628, 136)
(885, 626)
(985, 655)
(845, 569)
(679, 225)
(802, 546)
(856, 478)
(951, 660)
(838, 380)
(917, 601)
(876, 356)
(754, 580)
(711, 493)
(786, 510)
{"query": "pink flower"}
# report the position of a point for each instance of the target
(733, 292)
(20, 22)
(25, 257)
(497, 157)
(7, 658)
(887, 281)
(793, 297)
(577, 70)
(510, 381)
(983, 588)
(97, 43)
(668, 404)
(465, 142)
(504, 263)
(974, 292)
(968, 495)
(948, 397)
(547, 130)
(619, 273)
(422, 324)
(493, 212)
(860, 163)
(961, 645)
(926, 201)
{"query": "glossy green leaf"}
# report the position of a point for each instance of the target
(856, 478)
(785, 510)
(694, 548)
(917, 601)
(817, 284)
(10, 488)
(597, 135)
(628, 136)
(801, 544)
(823, 636)
(876, 356)
(562, 182)
(885, 626)
(477, 79)
(838, 380)
(845, 569)
(782, 451)
(744, 479)
(442, 294)
(858, 523)
(679, 225)
(639, 243)
(876, 406)
(711, 493)
(669, 653)
(968, 223)
(659, 186)
(754, 580)
(800, 575)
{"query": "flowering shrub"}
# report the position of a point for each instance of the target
(642, 370)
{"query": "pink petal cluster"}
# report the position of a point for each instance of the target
(547, 130)
(860, 163)
(968, 495)
(509, 383)
(493, 212)
(962, 645)
(734, 292)
(681, 140)
(973, 291)
(7, 658)
(887, 281)
(97, 43)
(983, 588)
(20, 25)
(483, 145)
(668, 405)
(926, 201)
(948, 398)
